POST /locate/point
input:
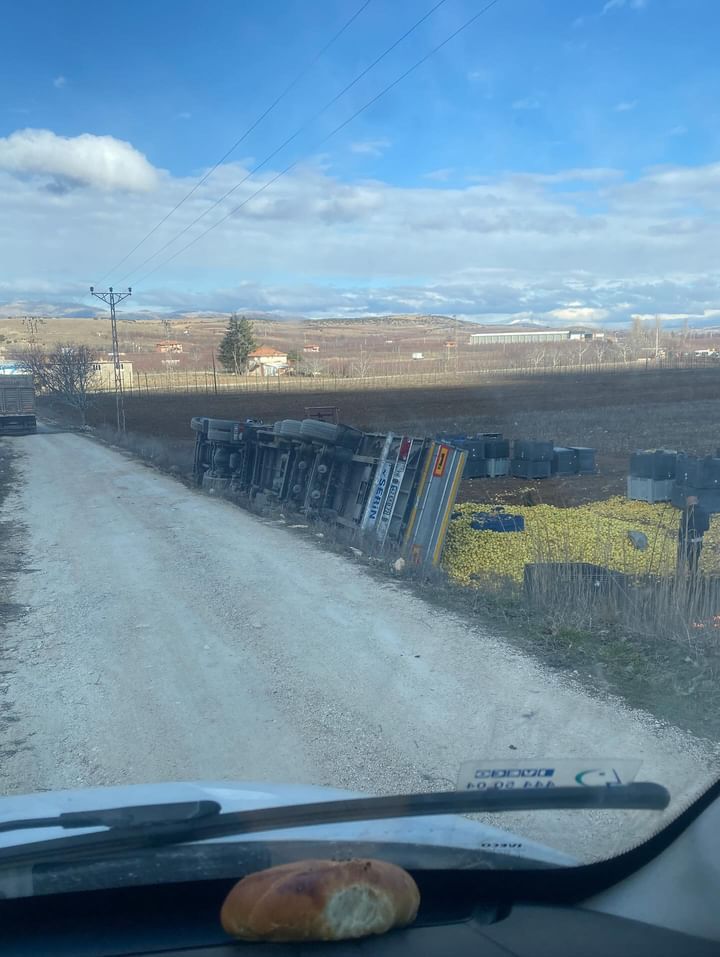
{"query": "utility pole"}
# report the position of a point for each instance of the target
(657, 337)
(32, 324)
(111, 298)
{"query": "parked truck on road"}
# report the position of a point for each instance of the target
(17, 405)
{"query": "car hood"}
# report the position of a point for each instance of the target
(450, 831)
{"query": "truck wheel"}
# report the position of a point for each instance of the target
(349, 438)
(317, 431)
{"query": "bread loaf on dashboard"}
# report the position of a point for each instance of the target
(321, 900)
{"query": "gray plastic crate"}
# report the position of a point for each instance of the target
(649, 490)
(496, 468)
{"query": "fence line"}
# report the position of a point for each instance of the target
(208, 382)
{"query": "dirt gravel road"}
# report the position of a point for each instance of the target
(167, 635)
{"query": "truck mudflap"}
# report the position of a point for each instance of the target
(18, 425)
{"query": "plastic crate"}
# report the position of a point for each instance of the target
(522, 468)
(533, 450)
(565, 461)
(709, 499)
(497, 448)
(496, 468)
(649, 490)
(657, 464)
(497, 522)
(586, 459)
(474, 468)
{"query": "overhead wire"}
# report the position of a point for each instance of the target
(337, 129)
(253, 126)
(289, 139)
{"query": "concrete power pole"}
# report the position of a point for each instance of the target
(111, 298)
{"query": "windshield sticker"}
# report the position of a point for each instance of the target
(565, 772)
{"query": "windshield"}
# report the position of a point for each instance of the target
(359, 370)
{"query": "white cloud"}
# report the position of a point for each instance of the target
(59, 82)
(370, 147)
(591, 174)
(526, 103)
(483, 80)
(624, 106)
(619, 4)
(68, 162)
(580, 314)
(439, 175)
(512, 245)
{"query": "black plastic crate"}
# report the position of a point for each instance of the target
(475, 448)
(533, 450)
(475, 468)
(707, 473)
(497, 521)
(565, 461)
(708, 498)
(497, 448)
(658, 464)
(586, 459)
(641, 464)
(523, 468)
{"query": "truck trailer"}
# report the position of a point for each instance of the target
(17, 405)
(398, 490)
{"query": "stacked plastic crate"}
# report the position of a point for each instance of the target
(699, 477)
(532, 458)
(652, 475)
(488, 453)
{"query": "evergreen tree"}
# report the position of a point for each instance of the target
(237, 344)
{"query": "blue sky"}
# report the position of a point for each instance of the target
(623, 91)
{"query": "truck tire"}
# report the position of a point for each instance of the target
(348, 437)
(318, 431)
(291, 428)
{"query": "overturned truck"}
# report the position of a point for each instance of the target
(400, 490)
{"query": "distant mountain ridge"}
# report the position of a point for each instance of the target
(19, 308)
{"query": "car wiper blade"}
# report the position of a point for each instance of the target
(131, 816)
(643, 796)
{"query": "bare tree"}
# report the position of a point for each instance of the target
(34, 361)
(363, 365)
(314, 364)
(66, 372)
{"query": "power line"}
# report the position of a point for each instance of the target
(281, 96)
(324, 140)
(289, 139)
